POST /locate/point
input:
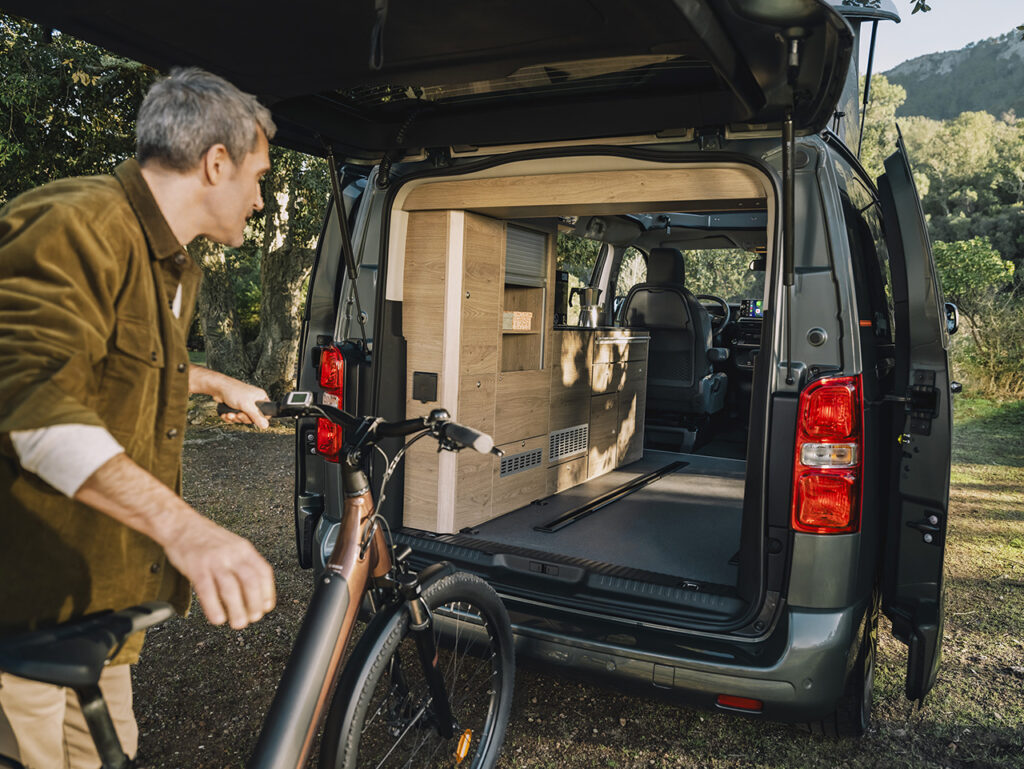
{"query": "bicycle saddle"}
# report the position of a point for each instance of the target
(74, 653)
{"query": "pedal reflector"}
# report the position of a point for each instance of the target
(463, 749)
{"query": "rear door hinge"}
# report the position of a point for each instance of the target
(921, 402)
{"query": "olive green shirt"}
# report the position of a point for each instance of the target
(88, 272)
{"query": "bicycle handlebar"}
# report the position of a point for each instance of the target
(451, 435)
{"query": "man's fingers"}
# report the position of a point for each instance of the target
(209, 599)
(256, 592)
(231, 596)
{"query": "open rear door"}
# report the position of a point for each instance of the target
(913, 586)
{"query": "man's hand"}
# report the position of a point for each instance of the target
(231, 392)
(232, 581)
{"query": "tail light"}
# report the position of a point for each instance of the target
(829, 457)
(329, 436)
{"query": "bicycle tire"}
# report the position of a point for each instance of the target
(380, 715)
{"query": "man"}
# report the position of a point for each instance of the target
(96, 298)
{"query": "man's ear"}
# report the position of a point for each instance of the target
(215, 163)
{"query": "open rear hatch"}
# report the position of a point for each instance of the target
(397, 75)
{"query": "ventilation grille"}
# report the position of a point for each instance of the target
(568, 442)
(516, 463)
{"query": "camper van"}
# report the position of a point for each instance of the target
(634, 244)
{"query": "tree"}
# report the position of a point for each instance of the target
(68, 107)
(69, 110)
(880, 123)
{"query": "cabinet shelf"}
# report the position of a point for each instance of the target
(518, 331)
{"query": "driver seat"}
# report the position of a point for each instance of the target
(681, 383)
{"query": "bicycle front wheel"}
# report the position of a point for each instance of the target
(383, 715)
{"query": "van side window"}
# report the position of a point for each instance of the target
(577, 256)
(871, 268)
(632, 271)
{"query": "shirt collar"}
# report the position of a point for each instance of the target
(162, 242)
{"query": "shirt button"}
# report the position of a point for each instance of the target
(181, 368)
(153, 356)
(172, 432)
(179, 259)
(154, 568)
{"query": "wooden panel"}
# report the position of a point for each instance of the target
(570, 398)
(514, 491)
(636, 350)
(476, 402)
(571, 348)
(481, 305)
(421, 473)
(604, 421)
(612, 188)
(607, 377)
(567, 475)
(423, 304)
(475, 472)
(521, 410)
(632, 409)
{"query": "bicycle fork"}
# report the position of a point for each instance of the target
(421, 625)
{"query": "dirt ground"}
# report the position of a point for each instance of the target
(201, 691)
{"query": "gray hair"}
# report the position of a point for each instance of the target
(185, 114)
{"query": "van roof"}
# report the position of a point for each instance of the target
(403, 75)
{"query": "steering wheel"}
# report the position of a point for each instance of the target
(718, 321)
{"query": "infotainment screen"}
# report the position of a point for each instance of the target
(751, 308)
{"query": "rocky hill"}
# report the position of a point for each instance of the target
(987, 75)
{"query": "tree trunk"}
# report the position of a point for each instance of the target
(285, 265)
(282, 273)
(225, 351)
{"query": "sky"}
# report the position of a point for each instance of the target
(948, 26)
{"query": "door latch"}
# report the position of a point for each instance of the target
(930, 528)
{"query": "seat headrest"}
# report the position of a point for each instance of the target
(665, 268)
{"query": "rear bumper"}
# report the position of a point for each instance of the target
(798, 672)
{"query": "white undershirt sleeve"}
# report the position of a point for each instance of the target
(65, 455)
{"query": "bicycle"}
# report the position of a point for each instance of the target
(430, 681)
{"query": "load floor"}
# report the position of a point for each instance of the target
(684, 523)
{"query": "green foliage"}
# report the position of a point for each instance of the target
(67, 108)
(989, 350)
(971, 271)
(880, 123)
(577, 255)
(724, 273)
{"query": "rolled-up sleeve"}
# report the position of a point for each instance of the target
(59, 280)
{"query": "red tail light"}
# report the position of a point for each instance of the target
(739, 703)
(332, 379)
(828, 461)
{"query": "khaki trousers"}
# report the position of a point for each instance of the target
(42, 726)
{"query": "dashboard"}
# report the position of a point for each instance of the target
(751, 308)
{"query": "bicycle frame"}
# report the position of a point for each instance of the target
(303, 694)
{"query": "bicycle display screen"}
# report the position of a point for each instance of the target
(752, 308)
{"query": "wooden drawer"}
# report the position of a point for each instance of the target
(567, 475)
(632, 410)
(615, 346)
(571, 348)
(521, 407)
(520, 488)
(604, 421)
(570, 398)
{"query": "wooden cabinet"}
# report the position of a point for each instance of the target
(565, 404)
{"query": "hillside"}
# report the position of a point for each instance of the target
(987, 75)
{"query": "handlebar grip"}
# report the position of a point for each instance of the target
(468, 437)
(268, 408)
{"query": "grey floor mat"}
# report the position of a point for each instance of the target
(686, 524)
